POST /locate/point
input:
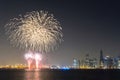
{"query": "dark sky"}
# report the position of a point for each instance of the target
(88, 26)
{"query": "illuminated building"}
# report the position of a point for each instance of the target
(93, 63)
(101, 59)
(87, 60)
(116, 62)
(118, 66)
(108, 62)
(88, 63)
(76, 63)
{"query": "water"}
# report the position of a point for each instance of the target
(60, 75)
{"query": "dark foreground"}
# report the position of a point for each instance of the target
(88, 74)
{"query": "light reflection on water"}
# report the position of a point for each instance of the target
(60, 75)
(32, 75)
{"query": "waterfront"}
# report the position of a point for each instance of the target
(74, 74)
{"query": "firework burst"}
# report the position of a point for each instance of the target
(36, 30)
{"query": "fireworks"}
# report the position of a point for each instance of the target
(36, 31)
(33, 59)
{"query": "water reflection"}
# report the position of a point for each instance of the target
(32, 75)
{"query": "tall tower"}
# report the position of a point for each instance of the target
(101, 59)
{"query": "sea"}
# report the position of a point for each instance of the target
(54, 74)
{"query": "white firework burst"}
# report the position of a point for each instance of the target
(36, 30)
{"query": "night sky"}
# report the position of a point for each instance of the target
(88, 26)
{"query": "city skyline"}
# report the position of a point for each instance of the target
(88, 27)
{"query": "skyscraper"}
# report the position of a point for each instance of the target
(101, 59)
